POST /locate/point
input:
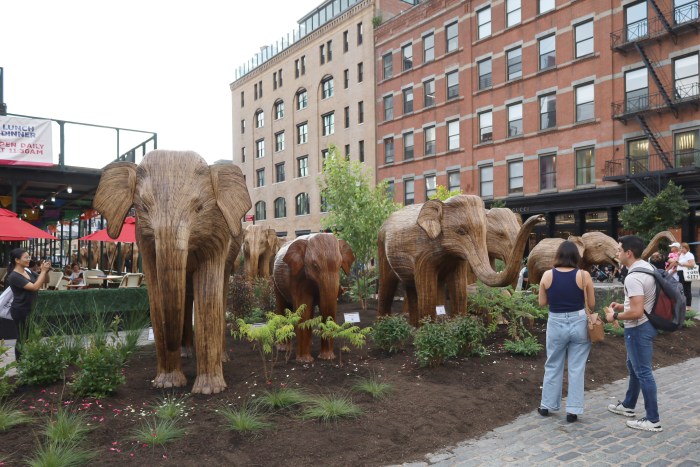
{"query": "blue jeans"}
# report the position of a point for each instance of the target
(640, 348)
(567, 337)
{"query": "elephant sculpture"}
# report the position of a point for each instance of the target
(259, 249)
(654, 243)
(188, 220)
(307, 272)
(594, 248)
(436, 243)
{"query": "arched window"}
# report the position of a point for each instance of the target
(260, 211)
(302, 99)
(280, 208)
(279, 109)
(327, 86)
(302, 201)
(259, 118)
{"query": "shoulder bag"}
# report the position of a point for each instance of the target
(6, 302)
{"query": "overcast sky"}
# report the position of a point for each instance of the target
(155, 65)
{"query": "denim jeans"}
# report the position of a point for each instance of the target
(567, 338)
(639, 341)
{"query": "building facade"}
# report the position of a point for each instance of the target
(301, 96)
(570, 109)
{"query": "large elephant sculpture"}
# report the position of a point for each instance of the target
(259, 249)
(653, 244)
(594, 248)
(307, 272)
(188, 218)
(428, 245)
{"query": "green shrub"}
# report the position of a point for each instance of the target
(610, 328)
(435, 343)
(11, 415)
(241, 300)
(100, 371)
(170, 407)
(256, 316)
(244, 419)
(528, 346)
(282, 398)
(391, 333)
(518, 309)
(157, 432)
(346, 334)
(67, 427)
(373, 387)
(470, 333)
(364, 285)
(53, 454)
(43, 361)
(331, 408)
(264, 293)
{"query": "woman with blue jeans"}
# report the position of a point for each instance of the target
(569, 292)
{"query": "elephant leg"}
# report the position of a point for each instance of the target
(388, 281)
(304, 335)
(457, 286)
(187, 332)
(208, 283)
(426, 288)
(411, 304)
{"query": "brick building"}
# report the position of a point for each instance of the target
(568, 108)
(300, 95)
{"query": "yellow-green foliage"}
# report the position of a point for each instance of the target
(443, 194)
(346, 332)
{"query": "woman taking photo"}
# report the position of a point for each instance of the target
(569, 293)
(686, 261)
(25, 288)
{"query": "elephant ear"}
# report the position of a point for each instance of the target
(115, 194)
(578, 241)
(348, 257)
(295, 256)
(231, 194)
(430, 218)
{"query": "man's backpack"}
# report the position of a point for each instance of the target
(668, 312)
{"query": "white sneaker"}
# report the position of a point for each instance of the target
(621, 409)
(645, 425)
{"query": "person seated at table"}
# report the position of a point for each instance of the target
(76, 276)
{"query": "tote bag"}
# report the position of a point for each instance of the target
(5, 303)
(691, 274)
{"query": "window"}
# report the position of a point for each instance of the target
(548, 172)
(302, 99)
(429, 136)
(302, 202)
(280, 208)
(279, 110)
(259, 119)
(360, 72)
(451, 37)
(428, 48)
(255, 93)
(260, 211)
(260, 177)
(279, 141)
(302, 133)
(297, 69)
(545, 6)
(388, 107)
(636, 90)
(390, 189)
(512, 12)
(279, 78)
(407, 56)
(408, 192)
(242, 126)
(324, 156)
(636, 25)
(638, 155)
(486, 181)
(548, 111)
(515, 119)
(328, 124)
(361, 150)
(327, 84)
(585, 102)
(346, 78)
(242, 98)
(514, 59)
(303, 65)
(486, 126)
(684, 11)
(453, 135)
(584, 38)
(279, 172)
(324, 203)
(303, 166)
(429, 93)
(387, 65)
(452, 84)
(274, 80)
(484, 22)
(329, 52)
(260, 148)
(548, 52)
(389, 150)
(361, 112)
(346, 44)
(585, 167)
(485, 79)
(347, 152)
(347, 117)
(453, 180)
(430, 186)
(243, 154)
(685, 77)
(515, 177)
(686, 145)
(408, 146)
(408, 100)
(360, 32)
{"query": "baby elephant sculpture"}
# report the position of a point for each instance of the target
(188, 216)
(259, 248)
(307, 272)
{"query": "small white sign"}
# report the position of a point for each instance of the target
(258, 325)
(151, 337)
(440, 310)
(352, 317)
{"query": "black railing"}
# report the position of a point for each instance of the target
(650, 28)
(642, 103)
(653, 163)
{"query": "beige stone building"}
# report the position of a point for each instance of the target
(312, 89)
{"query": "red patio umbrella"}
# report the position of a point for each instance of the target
(128, 234)
(14, 229)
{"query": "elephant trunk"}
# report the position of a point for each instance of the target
(171, 264)
(253, 261)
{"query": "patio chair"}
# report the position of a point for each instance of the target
(131, 280)
(91, 280)
(54, 279)
(62, 284)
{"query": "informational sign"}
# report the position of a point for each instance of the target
(258, 325)
(25, 141)
(151, 337)
(352, 317)
(440, 310)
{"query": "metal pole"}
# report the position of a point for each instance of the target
(3, 106)
(62, 154)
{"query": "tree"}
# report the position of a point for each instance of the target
(653, 215)
(442, 193)
(356, 210)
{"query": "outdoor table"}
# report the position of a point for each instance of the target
(76, 286)
(107, 278)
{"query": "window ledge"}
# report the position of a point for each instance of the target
(519, 135)
(484, 143)
(587, 186)
(547, 70)
(547, 130)
(515, 195)
(590, 121)
(548, 190)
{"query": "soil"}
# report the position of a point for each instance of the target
(428, 408)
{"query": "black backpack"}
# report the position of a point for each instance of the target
(668, 312)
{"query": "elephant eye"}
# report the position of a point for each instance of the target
(461, 231)
(199, 208)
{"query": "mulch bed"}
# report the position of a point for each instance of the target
(429, 408)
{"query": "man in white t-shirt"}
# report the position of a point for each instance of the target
(640, 291)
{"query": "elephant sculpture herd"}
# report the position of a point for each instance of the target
(189, 231)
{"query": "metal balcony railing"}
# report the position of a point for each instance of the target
(653, 163)
(640, 103)
(650, 28)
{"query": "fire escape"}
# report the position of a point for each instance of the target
(650, 172)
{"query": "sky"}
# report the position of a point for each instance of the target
(154, 65)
